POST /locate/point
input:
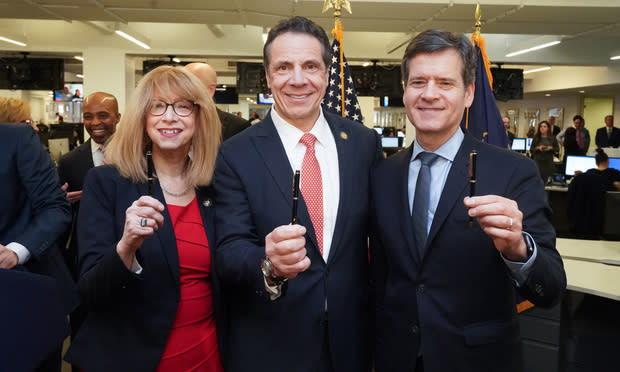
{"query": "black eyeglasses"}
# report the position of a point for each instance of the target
(181, 108)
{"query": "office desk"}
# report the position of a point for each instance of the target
(597, 251)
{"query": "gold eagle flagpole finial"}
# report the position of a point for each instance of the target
(478, 24)
(338, 5)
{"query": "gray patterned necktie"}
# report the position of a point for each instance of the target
(421, 201)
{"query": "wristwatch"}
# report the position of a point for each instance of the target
(269, 273)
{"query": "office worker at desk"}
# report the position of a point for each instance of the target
(146, 267)
(444, 288)
(307, 308)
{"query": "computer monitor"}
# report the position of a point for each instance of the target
(579, 163)
(528, 143)
(378, 130)
(518, 144)
(614, 163)
(389, 142)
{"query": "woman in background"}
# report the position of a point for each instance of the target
(145, 248)
(544, 145)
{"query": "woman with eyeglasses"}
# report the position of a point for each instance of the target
(146, 243)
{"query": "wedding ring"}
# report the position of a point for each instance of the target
(143, 222)
(510, 224)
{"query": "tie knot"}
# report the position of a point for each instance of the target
(308, 140)
(427, 158)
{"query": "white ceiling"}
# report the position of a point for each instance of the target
(376, 29)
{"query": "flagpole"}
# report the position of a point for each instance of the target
(337, 33)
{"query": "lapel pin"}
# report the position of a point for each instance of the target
(207, 203)
(344, 136)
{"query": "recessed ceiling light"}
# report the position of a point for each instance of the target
(79, 58)
(582, 91)
(536, 70)
(79, 76)
(537, 47)
(547, 95)
(615, 58)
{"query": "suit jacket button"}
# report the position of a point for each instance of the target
(415, 329)
(421, 288)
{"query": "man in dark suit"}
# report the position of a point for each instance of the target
(608, 136)
(231, 124)
(297, 292)
(34, 214)
(510, 135)
(100, 112)
(446, 265)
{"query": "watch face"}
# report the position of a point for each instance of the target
(267, 267)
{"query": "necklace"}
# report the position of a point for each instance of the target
(177, 194)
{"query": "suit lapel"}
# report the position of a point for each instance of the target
(165, 234)
(345, 157)
(458, 179)
(270, 148)
(403, 203)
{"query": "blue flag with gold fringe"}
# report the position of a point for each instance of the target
(483, 119)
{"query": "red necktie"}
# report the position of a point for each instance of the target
(312, 187)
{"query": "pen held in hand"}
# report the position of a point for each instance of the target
(473, 157)
(149, 171)
(296, 177)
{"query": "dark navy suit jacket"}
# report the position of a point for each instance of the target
(129, 316)
(603, 141)
(34, 212)
(72, 169)
(456, 306)
(253, 183)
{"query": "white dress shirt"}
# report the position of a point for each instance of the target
(95, 149)
(327, 156)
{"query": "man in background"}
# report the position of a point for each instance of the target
(231, 124)
(583, 135)
(608, 136)
(100, 113)
(510, 135)
(555, 129)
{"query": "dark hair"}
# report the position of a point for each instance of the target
(298, 25)
(578, 117)
(549, 134)
(600, 157)
(432, 41)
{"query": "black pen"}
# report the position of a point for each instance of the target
(473, 156)
(149, 171)
(296, 177)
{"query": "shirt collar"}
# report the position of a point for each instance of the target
(447, 151)
(290, 135)
(94, 146)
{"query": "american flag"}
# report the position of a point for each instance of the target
(334, 100)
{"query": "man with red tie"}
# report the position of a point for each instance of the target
(297, 293)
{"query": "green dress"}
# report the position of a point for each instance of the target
(544, 159)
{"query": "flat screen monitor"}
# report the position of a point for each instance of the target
(518, 144)
(579, 163)
(400, 133)
(71, 92)
(378, 130)
(389, 142)
(614, 163)
(265, 99)
(528, 143)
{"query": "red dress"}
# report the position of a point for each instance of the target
(192, 343)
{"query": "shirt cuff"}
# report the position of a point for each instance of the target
(521, 270)
(135, 267)
(275, 291)
(23, 254)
